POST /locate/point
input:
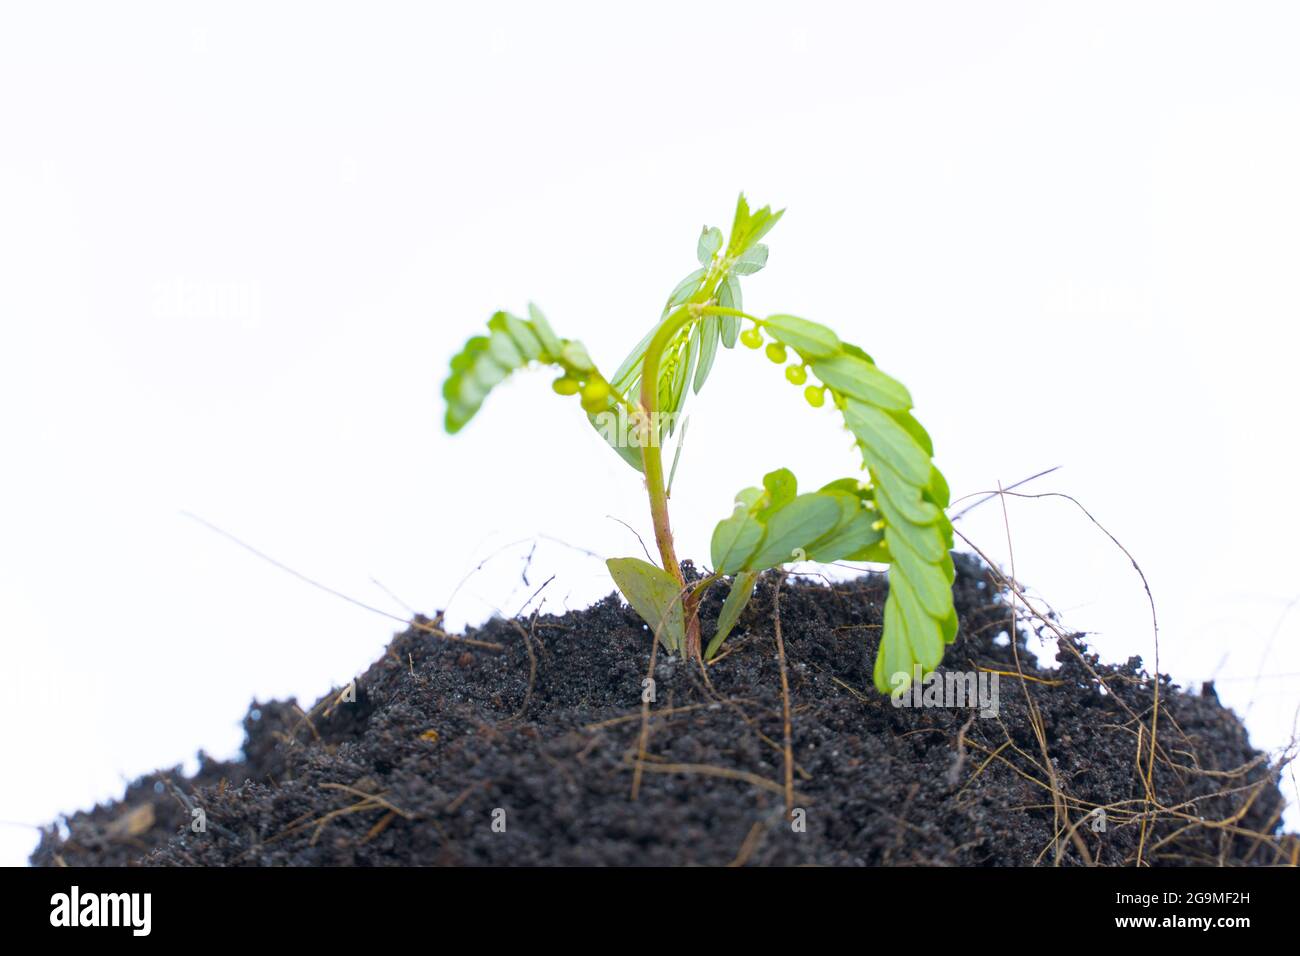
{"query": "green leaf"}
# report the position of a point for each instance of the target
(729, 298)
(685, 289)
(616, 430)
(630, 370)
(780, 487)
(683, 374)
(484, 362)
(884, 440)
(710, 330)
(774, 525)
(747, 228)
(914, 428)
(513, 343)
(761, 223)
(949, 626)
(739, 226)
(734, 540)
(856, 352)
(894, 655)
(853, 532)
(709, 244)
(525, 339)
(924, 639)
(936, 491)
(504, 351)
(857, 378)
(910, 639)
(877, 553)
(902, 502)
(655, 595)
(551, 344)
(813, 341)
(574, 354)
(909, 493)
(927, 539)
(742, 589)
(928, 581)
(792, 528)
(487, 372)
(751, 261)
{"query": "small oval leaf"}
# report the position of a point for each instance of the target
(734, 540)
(859, 379)
(791, 528)
(655, 595)
(812, 340)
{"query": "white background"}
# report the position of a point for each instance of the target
(239, 243)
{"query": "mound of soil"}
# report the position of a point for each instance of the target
(455, 753)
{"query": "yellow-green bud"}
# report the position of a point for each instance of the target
(776, 352)
(816, 396)
(595, 396)
(752, 338)
(565, 386)
(795, 374)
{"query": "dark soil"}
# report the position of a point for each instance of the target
(442, 734)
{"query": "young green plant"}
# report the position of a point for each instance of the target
(893, 514)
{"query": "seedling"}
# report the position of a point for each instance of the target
(895, 516)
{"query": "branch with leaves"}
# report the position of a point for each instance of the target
(893, 514)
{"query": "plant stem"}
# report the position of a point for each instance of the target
(700, 304)
(653, 467)
(723, 310)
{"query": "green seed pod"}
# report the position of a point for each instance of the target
(816, 396)
(752, 338)
(565, 386)
(795, 374)
(776, 352)
(595, 396)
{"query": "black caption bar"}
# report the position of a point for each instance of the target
(334, 906)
